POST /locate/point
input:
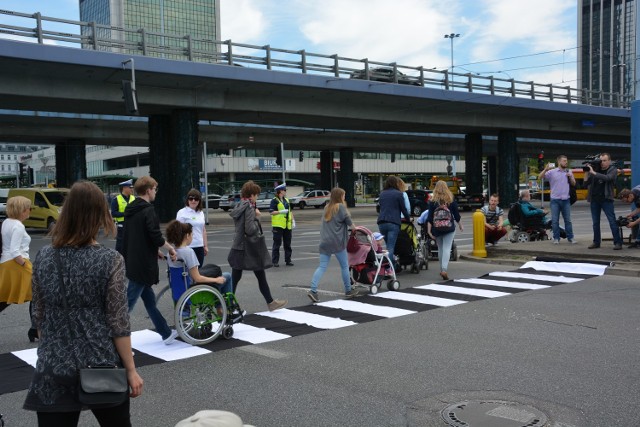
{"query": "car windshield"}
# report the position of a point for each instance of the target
(303, 194)
(56, 198)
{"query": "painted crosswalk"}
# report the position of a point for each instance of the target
(17, 367)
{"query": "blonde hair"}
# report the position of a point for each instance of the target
(335, 200)
(442, 194)
(16, 206)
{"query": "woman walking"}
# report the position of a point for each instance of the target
(15, 266)
(80, 308)
(391, 206)
(333, 241)
(192, 214)
(246, 220)
(443, 214)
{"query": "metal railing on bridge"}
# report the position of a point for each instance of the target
(90, 35)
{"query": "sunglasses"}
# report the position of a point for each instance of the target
(193, 198)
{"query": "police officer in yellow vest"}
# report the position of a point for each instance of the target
(282, 222)
(118, 205)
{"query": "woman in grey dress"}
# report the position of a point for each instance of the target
(95, 329)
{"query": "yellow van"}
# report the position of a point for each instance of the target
(45, 205)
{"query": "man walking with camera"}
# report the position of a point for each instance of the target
(560, 178)
(600, 178)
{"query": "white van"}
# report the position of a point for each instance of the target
(4, 194)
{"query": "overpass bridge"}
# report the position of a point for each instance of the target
(59, 94)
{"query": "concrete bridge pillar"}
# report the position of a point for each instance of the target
(173, 153)
(345, 177)
(508, 167)
(71, 162)
(326, 169)
(473, 162)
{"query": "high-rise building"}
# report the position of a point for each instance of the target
(160, 19)
(606, 48)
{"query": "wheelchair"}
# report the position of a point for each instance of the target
(202, 312)
(526, 229)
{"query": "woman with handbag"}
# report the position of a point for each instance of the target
(249, 250)
(15, 266)
(80, 309)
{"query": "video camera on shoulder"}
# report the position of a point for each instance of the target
(594, 161)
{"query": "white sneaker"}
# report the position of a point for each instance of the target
(171, 338)
(556, 242)
(572, 241)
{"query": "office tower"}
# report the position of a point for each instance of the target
(606, 48)
(198, 18)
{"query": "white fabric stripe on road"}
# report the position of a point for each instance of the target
(256, 335)
(29, 356)
(420, 299)
(502, 283)
(465, 291)
(567, 267)
(311, 319)
(150, 342)
(361, 307)
(542, 277)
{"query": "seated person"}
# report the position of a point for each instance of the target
(530, 213)
(180, 236)
(493, 221)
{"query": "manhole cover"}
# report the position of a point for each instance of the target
(492, 413)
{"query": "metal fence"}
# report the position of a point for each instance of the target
(90, 35)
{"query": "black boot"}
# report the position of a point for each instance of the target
(33, 334)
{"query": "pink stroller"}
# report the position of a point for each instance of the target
(368, 262)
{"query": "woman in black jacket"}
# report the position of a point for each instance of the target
(245, 217)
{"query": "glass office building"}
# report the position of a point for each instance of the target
(606, 47)
(174, 19)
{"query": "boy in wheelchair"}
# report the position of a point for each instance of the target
(180, 236)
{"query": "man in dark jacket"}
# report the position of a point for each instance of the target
(391, 205)
(600, 195)
(142, 242)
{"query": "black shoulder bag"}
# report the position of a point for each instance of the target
(256, 255)
(98, 385)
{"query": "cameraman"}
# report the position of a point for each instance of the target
(600, 195)
(633, 196)
(559, 180)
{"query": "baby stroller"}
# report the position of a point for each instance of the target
(429, 246)
(526, 229)
(201, 313)
(407, 248)
(368, 263)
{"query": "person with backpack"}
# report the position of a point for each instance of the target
(441, 223)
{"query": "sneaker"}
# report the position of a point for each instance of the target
(289, 264)
(594, 246)
(634, 245)
(276, 304)
(351, 294)
(313, 296)
(617, 247)
(572, 241)
(171, 338)
(557, 241)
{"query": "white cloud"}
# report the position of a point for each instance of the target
(243, 21)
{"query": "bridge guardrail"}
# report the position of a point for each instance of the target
(90, 35)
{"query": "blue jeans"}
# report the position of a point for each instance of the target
(137, 290)
(607, 207)
(444, 249)
(324, 262)
(228, 284)
(561, 206)
(390, 232)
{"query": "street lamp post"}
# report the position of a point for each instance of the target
(621, 68)
(451, 37)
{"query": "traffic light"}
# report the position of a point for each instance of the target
(301, 155)
(541, 161)
(130, 97)
(278, 156)
(485, 167)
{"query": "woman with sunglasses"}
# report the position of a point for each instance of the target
(193, 214)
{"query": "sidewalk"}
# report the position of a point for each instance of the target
(626, 261)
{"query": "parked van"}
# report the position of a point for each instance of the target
(4, 195)
(45, 205)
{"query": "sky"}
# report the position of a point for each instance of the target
(528, 40)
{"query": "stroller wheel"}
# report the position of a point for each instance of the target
(373, 289)
(393, 285)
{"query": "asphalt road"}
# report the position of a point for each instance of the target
(569, 351)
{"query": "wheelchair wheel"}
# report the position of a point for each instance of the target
(227, 332)
(200, 315)
(522, 236)
(454, 252)
(162, 292)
